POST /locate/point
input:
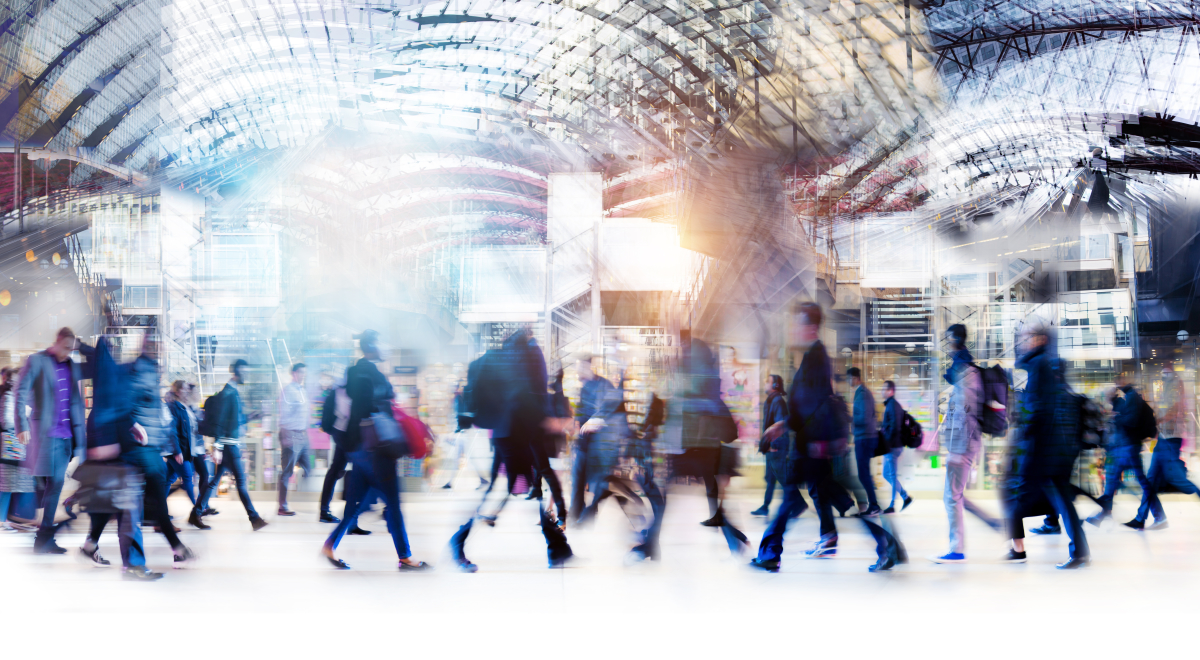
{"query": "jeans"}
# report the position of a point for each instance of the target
(1168, 470)
(184, 472)
(891, 474)
(958, 471)
(150, 462)
(864, 451)
(1121, 459)
(231, 460)
(337, 470)
(5, 500)
(200, 466)
(658, 505)
(294, 451)
(51, 487)
(372, 472)
(578, 476)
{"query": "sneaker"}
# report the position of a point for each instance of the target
(184, 556)
(284, 511)
(760, 511)
(328, 517)
(884, 563)
(823, 548)
(141, 574)
(764, 565)
(1135, 524)
(949, 558)
(1099, 518)
(871, 512)
(1046, 530)
(94, 557)
(1074, 563)
(447, 486)
(890, 510)
(907, 500)
(209, 511)
(48, 548)
(1014, 557)
(1158, 524)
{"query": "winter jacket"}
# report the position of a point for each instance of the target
(148, 408)
(865, 425)
(775, 409)
(960, 429)
(893, 416)
(808, 400)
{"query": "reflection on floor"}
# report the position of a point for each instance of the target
(277, 577)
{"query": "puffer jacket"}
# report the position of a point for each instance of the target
(148, 407)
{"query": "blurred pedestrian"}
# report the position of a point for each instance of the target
(373, 471)
(50, 421)
(820, 423)
(512, 400)
(15, 477)
(593, 392)
(225, 421)
(1132, 424)
(890, 432)
(1048, 444)
(963, 440)
(1167, 470)
(866, 437)
(294, 413)
(558, 413)
(774, 409)
(181, 401)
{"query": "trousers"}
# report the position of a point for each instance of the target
(293, 451)
(1061, 494)
(1168, 471)
(182, 471)
(231, 460)
(372, 474)
(51, 487)
(892, 475)
(150, 462)
(864, 451)
(579, 475)
(337, 470)
(1121, 460)
(129, 535)
(776, 472)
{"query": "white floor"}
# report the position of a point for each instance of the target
(269, 591)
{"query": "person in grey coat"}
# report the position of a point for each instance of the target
(54, 431)
(866, 437)
(963, 440)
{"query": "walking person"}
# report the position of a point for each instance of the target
(1167, 470)
(373, 471)
(774, 410)
(227, 426)
(50, 422)
(335, 420)
(1124, 452)
(593, 392)
(154, 437)
(181, 401)
(558, 414)
(866, 437)
(464, 440)
(890, 432)
(820, 424)
(512, 381)
(294, 413)
(14, 476)
(963, 441)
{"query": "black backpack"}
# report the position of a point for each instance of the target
(993, 408)
(209, 425)
(911, 435)
(485, 396)
(1090, 429)
(1147, 425)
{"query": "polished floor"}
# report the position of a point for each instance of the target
(269, 591)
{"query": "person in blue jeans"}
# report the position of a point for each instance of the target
(775, 410)
(373, 472)
(866, 437)
(1125, 455)
(893, 416)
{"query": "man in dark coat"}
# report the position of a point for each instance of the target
(893, 419)
(1125, 455)
(1048, 444)
(55, 429)
(774, 410)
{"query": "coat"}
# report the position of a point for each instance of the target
(36, 395)
(889, 430)
(812, 388)
(775, 409)
(866, 426)
(191, 443)
(960, 429)
(370, 392)
(148, 407)
(1047, 434)
(231, 419)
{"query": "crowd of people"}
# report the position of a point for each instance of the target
(135, 444)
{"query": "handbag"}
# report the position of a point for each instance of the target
(108, 487)
(381, 434)
(12, 452)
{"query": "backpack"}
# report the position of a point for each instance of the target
(993, 409)
(1090, 426)
(415, 433)
(209, 424)
(911, 435)
(485, 395)
(1147, 425)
